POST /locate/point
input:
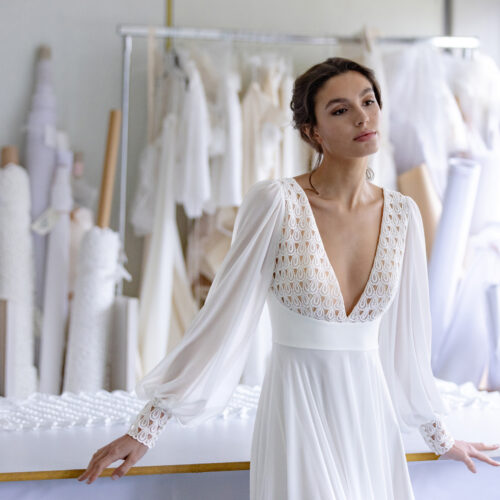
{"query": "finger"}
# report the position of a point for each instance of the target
(95, 457)
(482, 446)
(470, 464)
(485, 458)
(124, 468)
(97, 470)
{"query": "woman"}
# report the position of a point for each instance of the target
(342, 265)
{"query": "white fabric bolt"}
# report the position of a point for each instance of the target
(448, 252)
(55, 306)
(41, 161)
(16, 270)
(91, 312)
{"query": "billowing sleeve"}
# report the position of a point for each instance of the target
(405, 345)
(196, 379)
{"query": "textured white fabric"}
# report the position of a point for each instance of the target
(86, 366)
(304, 279)
(327, 422)
(17, 275)
(81, 221)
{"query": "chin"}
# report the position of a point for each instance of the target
(368, 151)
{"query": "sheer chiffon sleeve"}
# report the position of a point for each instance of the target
(405, 345)
(195, 381)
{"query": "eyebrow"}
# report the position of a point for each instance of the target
(344, 100)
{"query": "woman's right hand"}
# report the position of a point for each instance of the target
(125, 447)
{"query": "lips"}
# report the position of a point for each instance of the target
(365, 135)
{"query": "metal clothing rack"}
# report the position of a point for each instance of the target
(128, 32)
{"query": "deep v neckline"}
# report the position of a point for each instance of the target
(329, 263)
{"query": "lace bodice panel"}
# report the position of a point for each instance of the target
(304, 279)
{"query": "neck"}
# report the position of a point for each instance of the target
(343, 180)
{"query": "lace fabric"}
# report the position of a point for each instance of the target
(149, 423)
(304, 279)
(436, 436)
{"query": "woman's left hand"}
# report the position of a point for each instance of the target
(465, 452)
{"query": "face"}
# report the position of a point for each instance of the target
(347, 116)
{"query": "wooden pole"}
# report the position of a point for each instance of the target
(109, 169)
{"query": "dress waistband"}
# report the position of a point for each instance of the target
(295, 330)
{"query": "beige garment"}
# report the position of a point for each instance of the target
(417, 183)
(263, 121)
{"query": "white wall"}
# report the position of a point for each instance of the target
(87, 56)
(479, 18)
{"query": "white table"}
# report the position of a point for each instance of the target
(43, 463)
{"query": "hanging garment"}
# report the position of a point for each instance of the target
(222, 85)
(263, 120)
(156, 288)
(338, 387)
(169, 98)
(192, 145)
(226, 168)
(425, 118)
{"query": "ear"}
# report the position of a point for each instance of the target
(312, 134)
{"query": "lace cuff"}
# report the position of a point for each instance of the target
(436, 436)
(149, 423)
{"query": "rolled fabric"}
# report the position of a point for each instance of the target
(91, 312)
(55, 304)
(467, 335)
(448, 252)
(17, 275)
(417, 183)
(80, 222)
(493, 294)
(41, 159)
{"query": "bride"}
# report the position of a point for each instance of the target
(342, 265)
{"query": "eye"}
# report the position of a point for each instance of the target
(339, 112)
(369, 101)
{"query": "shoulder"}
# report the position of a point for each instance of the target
(266, 192)
(263, 198)
(399, 202)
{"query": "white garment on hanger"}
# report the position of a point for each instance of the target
(338, 387)
(226, 168)
(263, 121)
(193, 140)
(421, 100)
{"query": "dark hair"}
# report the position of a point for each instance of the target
(307, 85)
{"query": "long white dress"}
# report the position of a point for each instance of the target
(338, 389)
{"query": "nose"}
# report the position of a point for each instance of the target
(361, 117)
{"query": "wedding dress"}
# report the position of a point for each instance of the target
(339, 388)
